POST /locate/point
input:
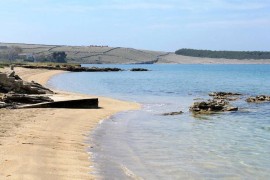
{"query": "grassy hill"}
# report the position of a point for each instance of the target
(91, 54)
(115, 55)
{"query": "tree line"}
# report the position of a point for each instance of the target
(224, 54)
(14, 53)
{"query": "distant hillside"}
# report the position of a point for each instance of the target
(107, 55)
(87, 54)
(224, 54)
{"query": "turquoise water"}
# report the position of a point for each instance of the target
(144, 144)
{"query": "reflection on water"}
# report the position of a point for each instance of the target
(145, 144)
(230, 145)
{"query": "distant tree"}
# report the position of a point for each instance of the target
(224, 54)
(13, 52)
(59, 57)
(43, 58)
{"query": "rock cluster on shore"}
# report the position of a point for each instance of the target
(76, 68)
(14, 83)
(71, 68)
(14, 91)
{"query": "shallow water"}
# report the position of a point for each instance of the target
(145, 144)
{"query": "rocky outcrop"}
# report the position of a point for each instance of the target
(89, 69)
(258, 99)
(212, 106)
(139, 69)
(230, 96)
(172, 113)
(14, 91)
(224, 94)
(13, 83)
(71, 68)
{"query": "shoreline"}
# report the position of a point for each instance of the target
(51, 143)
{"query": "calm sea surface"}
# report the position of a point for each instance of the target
(144, 144)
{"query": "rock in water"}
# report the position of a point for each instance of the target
(231, 108)
(258, 99)
(139, 69)
(212, 106)
(230, 96)
(173, 113)
(224, 94)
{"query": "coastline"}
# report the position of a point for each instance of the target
(51, 143)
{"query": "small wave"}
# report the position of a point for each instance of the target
(130, 174)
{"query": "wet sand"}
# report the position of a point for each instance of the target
(51, 143)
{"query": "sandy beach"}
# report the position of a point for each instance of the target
(51, 143)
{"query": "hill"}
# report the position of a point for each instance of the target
(112, 55)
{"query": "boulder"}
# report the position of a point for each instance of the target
(212, 106)
(231, 108)
(258, 99)
(13, 82)
(224, 94)
(230, 96)
(173, 113)
(139, 69)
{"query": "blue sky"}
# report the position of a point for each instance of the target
(144, 24)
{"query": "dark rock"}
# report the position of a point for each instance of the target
(225, 95)
(231, 108)
(258, 99)
(13, 82)
(173, 113)
(212, 106)
(139, 69)
(12, 74)
(72, 68)
(17, 77)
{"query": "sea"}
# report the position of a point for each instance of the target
(145, 144)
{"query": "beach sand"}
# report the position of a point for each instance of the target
(51, 143)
